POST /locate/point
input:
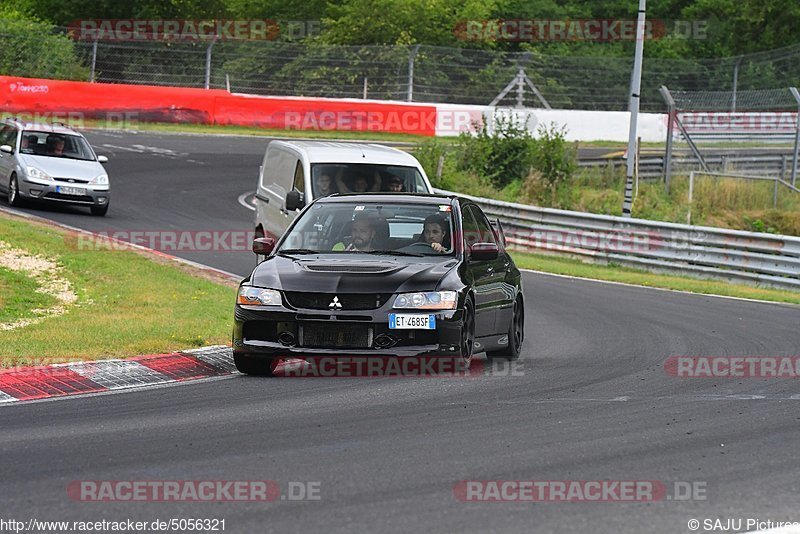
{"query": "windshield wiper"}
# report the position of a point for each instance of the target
(298, 251)
(396, 253)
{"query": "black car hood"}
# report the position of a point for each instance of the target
(353, 273)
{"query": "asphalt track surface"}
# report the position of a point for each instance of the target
(591, 401)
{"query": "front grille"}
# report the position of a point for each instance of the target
(336, 336)
(71, 198)
(348, 301)
(71, 180)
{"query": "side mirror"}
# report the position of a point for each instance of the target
(102, 159)
(8, 149)
(483, 252)
(263, 245)
(294, 200)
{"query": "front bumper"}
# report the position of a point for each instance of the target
(284, 333)
(94, 195)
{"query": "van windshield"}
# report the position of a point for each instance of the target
(329, 178)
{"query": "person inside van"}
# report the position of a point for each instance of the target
(360, 183)
(395, 184)
(324, 185)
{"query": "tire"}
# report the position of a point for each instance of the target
(467, 341)
(516, 335)
(99, 211)
(253, 366)
(14, 199)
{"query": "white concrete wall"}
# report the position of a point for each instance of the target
(580, 125)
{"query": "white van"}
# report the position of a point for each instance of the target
(294, 173)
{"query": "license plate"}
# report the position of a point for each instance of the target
(66, 190)
(404, 321)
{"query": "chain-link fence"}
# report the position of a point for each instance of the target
(418, 73)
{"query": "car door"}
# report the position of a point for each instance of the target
(481, 273)
(277, 179)
(502, 292)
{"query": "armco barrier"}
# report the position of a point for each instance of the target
(708, 252)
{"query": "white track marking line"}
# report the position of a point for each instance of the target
(243, 201)
(534, 271)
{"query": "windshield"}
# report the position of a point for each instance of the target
(55, 145)
(329, 178)
(394, 229)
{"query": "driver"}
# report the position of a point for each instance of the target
(435, 231)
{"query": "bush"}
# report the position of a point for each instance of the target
(502, 155)
(554, 157)
(31, 49)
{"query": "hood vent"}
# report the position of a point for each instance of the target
(345, 267)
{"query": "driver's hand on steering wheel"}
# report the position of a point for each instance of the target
(437, 247)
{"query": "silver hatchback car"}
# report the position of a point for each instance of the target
(52, 163)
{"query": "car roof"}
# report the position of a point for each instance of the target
(338, 152)
(42, 127)
(390, 198)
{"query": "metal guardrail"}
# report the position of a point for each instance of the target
(706, 252)
(652, 167)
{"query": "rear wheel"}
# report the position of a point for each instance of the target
(13, 192)
(467, 344)
(516, 334)
(254, 366)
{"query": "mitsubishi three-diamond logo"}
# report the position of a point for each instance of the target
(335, 304)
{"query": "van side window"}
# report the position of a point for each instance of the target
(299, 178)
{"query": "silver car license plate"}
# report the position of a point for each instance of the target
(66, 190)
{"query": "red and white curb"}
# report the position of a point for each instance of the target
(80, 378)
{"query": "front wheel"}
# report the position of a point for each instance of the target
(516, 334)
(467, 344)
(13, 192)
(254, 366)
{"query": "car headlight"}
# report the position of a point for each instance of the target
(36, 174)
(100, 180)
(432, 300)
(256, 296)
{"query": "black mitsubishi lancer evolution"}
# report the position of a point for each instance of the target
(394, 275)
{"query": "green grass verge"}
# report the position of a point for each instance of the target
(615, 273)
(18, 296)
(266, 132)
(128, 304)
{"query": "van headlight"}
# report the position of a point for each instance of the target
(431, 300)
(36, 174)
(256, 296)
(100, 180)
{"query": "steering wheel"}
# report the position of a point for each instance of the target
(427, 247)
